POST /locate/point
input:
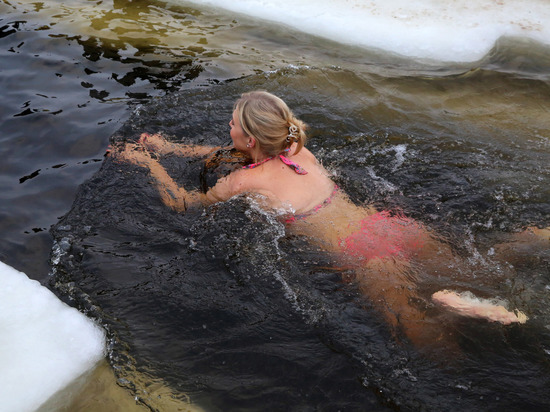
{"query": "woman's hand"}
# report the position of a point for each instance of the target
(134, 153)
(155, 143)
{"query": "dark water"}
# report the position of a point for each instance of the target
(232, 311)
(223, 305)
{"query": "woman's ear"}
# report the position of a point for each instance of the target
(251, 142)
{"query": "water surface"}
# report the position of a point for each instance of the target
(220, 306)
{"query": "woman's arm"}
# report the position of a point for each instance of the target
(172, 195)
(156, 143)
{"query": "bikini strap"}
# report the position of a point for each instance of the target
(294, 166)
(253, 165)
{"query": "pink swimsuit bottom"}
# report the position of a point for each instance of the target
(383, 235)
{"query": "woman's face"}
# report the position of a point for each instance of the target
(238, 136)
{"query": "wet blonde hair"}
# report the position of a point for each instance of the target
(269, 120)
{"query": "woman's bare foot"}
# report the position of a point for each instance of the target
(466, 304)
(526, 247)
(532, 235)
(542, 234)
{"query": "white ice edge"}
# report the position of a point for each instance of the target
(441, 30)
(44, 343)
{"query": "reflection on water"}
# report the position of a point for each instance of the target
(222, 306)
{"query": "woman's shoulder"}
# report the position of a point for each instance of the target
(304, 152)
(228, 186)
(241, 180)
(309, 162)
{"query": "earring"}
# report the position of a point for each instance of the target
(248, 145)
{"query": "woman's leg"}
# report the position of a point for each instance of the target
(397, 286)
(391, 286)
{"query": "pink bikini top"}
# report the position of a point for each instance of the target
(301, 171)
(294, 166)
(302, 216)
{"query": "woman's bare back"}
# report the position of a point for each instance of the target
(283, 186)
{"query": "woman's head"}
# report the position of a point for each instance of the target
(270, 122)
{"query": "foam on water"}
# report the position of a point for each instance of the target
(44, 344)
(440, 30)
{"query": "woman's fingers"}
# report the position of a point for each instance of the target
(133, 153)
(152, 142)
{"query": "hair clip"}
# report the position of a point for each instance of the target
(292, 130)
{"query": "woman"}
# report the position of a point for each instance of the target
(289, 180)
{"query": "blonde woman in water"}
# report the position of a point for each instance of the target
(288, 178)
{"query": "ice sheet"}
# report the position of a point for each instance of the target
(44, 343)
(441, 30)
